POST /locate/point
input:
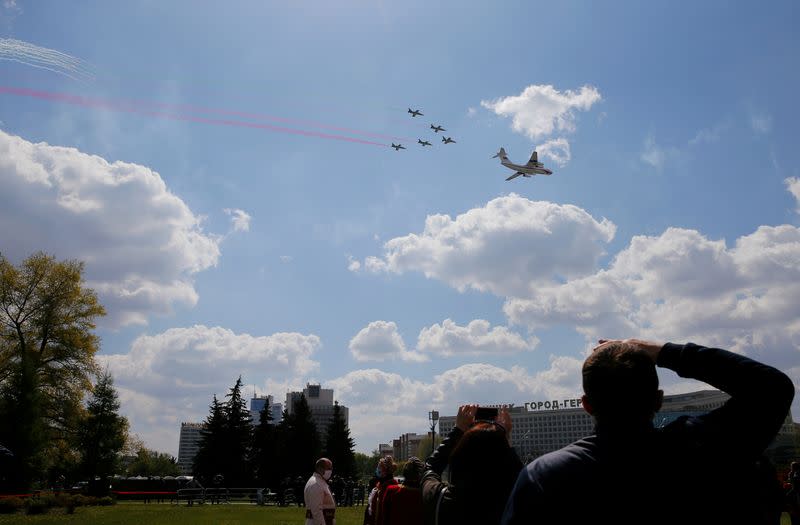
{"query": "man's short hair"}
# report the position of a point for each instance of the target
(322, 464)
(620, 382)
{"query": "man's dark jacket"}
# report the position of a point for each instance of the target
(695, 470)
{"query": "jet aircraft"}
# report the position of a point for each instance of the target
(437, 129)
(415, 112)
(448, 140)
(533, 167)
(424, 142)
(398, 147)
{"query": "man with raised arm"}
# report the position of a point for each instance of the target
(694, 470)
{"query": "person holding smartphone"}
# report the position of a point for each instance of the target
(483, 469)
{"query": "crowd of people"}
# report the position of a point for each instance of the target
(700, 470)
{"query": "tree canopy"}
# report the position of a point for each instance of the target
(103, 432)
(47, 347)
(339, 446)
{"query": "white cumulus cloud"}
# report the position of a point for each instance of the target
(353, 264)
(171, 376)
(682, 286)
(793, 185)
(556, 149)
(381, 341)
(504, 247)
(653, 154)
(240, 219)
(405, 402)
(476, 338)
(541, 110)
(141, 243)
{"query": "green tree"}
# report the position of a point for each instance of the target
(424, 449)
(225, 441)
(365, 464)
(209, 459)
(264, 450)
(47, 348)
(339, 446)
(153, 463)
(301, 445)
(102, 434)
(237, 437)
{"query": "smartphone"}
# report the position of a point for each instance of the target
(486, 414)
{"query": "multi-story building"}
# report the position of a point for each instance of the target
(406, 446)
(188, 446)
(540, 427)
(257, 405)
(320, 402)
(385, 449)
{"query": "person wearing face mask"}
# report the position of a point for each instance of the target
(384, 474)
(320, 505)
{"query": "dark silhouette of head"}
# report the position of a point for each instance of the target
(483, 469)
(620, 385)
(412, 472)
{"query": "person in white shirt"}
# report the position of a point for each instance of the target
(320, 505)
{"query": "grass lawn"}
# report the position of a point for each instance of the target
(157, 514)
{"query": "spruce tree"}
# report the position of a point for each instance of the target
(302, 446)
(339, 446)
(264, 450)
(238, 430)
(102, 434)
(209, 459)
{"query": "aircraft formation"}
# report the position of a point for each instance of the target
(435, 127)
(531, 168)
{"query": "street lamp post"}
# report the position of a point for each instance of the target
(433, 417)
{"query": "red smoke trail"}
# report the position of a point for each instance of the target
(261, 116)
(105, 104)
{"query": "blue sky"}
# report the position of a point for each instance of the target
(416, 279)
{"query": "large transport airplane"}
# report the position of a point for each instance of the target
(533, 167)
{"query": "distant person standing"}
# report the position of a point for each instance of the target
(384, 473)
(697, 470)
(402, 504)
(320, 505)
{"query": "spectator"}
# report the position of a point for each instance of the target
(483, 468)
(384, 473)
(687, 472)
(319, 502)
(402, 504)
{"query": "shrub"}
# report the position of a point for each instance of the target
(79, 500)
(10, 505)
(35, 506)
(67, 501)
(105, 501)
(47, 499)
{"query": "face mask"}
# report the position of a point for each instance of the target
(327, 474)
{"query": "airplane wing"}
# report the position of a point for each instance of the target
(514, 176)
(534, 158)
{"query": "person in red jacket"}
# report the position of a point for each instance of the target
(384, 473)
(402, 504)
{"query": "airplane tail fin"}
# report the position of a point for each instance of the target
(501, 154)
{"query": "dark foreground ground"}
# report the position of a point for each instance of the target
(166, 514)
